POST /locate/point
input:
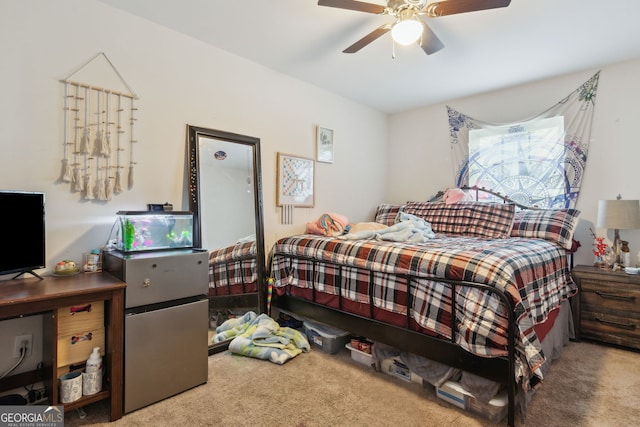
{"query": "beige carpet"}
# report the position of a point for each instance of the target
(590, 385)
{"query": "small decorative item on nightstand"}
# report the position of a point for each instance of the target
(620, 215)
(600, 250)
(625, 255)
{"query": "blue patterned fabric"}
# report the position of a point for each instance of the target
(545, 172)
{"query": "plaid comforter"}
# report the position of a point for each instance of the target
(232, 269)
(533, 272)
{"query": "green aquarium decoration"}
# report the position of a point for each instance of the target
(183, 239)
(128, 234)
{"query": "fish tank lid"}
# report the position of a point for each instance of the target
(155, 213)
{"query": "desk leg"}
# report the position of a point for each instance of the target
(116, 348)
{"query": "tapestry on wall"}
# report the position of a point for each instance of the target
(98, 139)
(538, 161)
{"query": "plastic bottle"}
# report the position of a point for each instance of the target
(94, 362)
(94, 257)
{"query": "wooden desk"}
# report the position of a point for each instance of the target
(22, 297)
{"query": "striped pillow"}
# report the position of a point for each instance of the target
(477, 219)
(386, 214)
(555, 225)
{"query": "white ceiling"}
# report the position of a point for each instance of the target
(487, 50)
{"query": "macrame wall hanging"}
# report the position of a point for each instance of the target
(98, 137)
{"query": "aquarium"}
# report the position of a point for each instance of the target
(140, 231)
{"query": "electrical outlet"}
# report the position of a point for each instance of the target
(36, 397)
(20, 341)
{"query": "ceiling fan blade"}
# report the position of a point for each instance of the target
(452, 7)
(430, 42)
(375, 34)
(353, 5)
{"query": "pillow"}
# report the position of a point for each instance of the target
(386, 214)
(455, 195)
(555, 225)
(477, 219)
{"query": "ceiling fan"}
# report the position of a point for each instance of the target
(409, 26)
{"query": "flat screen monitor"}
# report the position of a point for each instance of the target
(23, 233)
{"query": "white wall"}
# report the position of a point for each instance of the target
(179, 81)
(183, 81)
(612, 165)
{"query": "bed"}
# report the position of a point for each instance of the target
(232, 269)
(507, 267)
(233, 281)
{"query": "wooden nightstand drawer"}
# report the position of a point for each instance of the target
(607, 296)
(613, 328)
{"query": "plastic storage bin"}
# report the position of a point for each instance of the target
(360, 356)
(495, 410)
(394, 367)
(331, 340)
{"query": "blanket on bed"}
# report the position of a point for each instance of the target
(263, 338)
(410, 229)
(533, 272)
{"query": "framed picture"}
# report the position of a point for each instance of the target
(295, 181)
(324, 145)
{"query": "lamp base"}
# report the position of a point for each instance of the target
(617, 246)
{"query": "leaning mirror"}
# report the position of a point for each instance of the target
(225, 196)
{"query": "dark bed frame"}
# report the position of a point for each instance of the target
(498, 369)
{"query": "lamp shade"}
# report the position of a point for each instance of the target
(619, 214)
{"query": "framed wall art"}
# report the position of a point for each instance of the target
(324, 144)
(295, 181)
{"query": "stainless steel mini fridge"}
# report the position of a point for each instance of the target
(166, 312)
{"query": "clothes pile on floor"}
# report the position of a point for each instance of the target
(261, 337)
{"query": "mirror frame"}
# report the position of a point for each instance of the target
(230, 301)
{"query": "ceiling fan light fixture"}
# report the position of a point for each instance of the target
(407, 31)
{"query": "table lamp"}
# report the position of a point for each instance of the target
(620, 215)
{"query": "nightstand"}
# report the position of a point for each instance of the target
(607, 307)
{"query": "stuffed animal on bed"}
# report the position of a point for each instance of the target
(329, 224)
(455, 195)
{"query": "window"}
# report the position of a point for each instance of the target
(539, 161)
(524, 161)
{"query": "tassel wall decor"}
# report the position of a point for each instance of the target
(132, 120)
(90, 163)
(105, 149)
(76, 180)
(88, 187)
(117, 185)
(108, 188)
(97, 143)
(66, 169)
(86, 147)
